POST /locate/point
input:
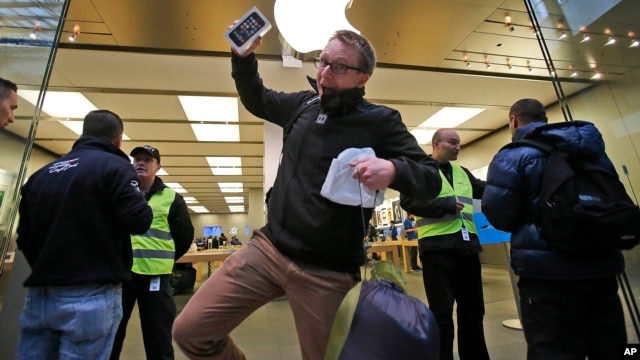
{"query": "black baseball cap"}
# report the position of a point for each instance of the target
(149, 150)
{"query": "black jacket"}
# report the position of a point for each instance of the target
(77, 214)
(179, 219)
(302, 224)
(439, 207)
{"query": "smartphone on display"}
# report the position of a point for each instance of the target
(252, 25)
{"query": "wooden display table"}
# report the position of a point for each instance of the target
(206, 256)
(406, 248)
(386, 248)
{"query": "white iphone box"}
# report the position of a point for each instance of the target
(252, 25)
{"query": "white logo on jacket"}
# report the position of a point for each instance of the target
(64, 165)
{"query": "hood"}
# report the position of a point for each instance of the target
(569, 136)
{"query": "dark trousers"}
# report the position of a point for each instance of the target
(450, 278)
(572, 319)
(157, 311)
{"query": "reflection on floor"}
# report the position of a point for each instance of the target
(269, 334)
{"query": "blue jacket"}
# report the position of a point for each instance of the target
(77, 214)
(513, 183)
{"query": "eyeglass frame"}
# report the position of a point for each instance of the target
(317, 62)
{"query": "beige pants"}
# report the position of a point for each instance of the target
(248, 279)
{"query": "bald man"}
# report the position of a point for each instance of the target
(449, 246)
(8, 102)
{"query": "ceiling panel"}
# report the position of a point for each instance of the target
(136, 57)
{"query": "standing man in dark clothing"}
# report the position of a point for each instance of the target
(76, 217)
(311, 248)
(449, 248)
(8, 102)
(154, 254)
(569, 304)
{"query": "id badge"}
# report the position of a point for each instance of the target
(154, 284)
(465, 234)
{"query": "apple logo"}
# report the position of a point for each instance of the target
(305, 26)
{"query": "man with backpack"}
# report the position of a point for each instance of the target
(568, 297)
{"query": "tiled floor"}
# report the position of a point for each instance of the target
(269, 334)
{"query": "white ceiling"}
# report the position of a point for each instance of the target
(136, 57)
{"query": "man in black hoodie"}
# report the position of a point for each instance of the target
(76, 218)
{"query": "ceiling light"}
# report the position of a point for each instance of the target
(562, 35)
(423, 136)
(634, 43)
(468, 64)
(190, 200)
(225, 165)
(450, 117)
(596, 76)
(507, 22)
(573, 72)
(231, 187)
(236, 208)
(611, 41)
(585, 37)
(234, 199)
(210, 108)
(34, 34)
(199, 209)
(216, 132)
(60, 104)
(176, 187)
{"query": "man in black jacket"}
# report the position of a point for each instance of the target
(154, 253)
(76, 217)
(311, 248)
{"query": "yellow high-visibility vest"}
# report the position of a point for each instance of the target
(451, 223)
(154, 251)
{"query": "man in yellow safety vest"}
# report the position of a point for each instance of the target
(448, 245)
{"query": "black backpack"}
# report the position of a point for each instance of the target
(583, 208)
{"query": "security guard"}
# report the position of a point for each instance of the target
(154, 254)
(449, 247)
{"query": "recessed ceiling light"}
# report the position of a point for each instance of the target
(236, 208)
(60, 104)
(234, 199)
(225, 165)
(231, 187)
(190, 199)
(450, 117)
(176, 187)
(199, 209)
(210, 108)
(216, 132)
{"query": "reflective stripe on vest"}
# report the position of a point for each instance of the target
(154, 251)
(451, 223)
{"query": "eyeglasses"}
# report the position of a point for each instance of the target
(335, 67)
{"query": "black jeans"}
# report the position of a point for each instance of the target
(157, 311)
(449, 278)
(572, 319)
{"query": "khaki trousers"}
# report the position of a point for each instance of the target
(248, 279)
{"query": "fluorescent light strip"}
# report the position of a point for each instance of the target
(199, 209)
(176, 187)
(231, 187)
(234, 199)
(60, 104)
(210, 108)
(423, 136)
(190, 200)
(225, 165)
(236, 208)
(450, 117)
(216, 132)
